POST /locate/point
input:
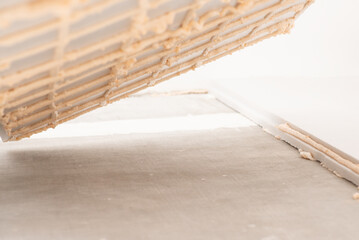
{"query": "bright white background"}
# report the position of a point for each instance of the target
(309, 77)
(323, 43)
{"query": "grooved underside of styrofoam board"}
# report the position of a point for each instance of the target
(61, 59)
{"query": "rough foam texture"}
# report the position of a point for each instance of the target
(60, 59)
(285, 127)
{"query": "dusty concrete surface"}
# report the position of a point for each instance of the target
(236, 183)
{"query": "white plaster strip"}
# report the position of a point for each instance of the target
(155, 125)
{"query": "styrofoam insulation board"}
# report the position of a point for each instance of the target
(60, 59)
(273, 124)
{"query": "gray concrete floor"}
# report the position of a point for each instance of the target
(234, 183)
